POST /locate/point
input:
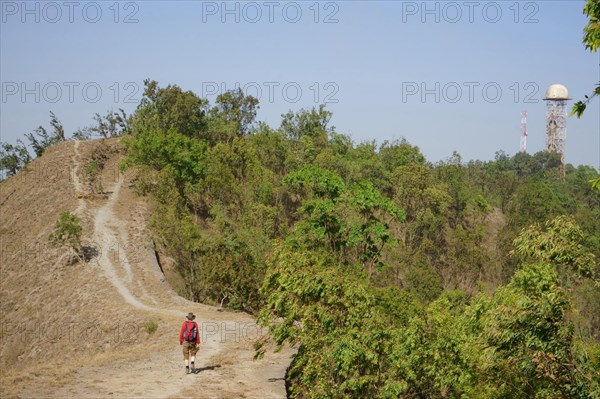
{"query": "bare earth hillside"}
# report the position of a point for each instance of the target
(76, 329)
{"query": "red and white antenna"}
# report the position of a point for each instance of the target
(523, 142)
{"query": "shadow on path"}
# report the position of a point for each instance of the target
(216, 366)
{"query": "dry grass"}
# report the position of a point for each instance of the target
(47, 304)
(58, 318)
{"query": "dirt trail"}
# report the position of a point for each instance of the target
(75, 179)
(227, 368)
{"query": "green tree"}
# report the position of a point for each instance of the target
(237, 108)
(372, 230)
(307, 133)
(313, 123)
(42, 139)
(344, 335)
(399, 153)
(167, 152)
(434, 353)
(364, 162)
(170, 109)
(530, 342)
(13, 157)
(558, 243)
(271, 148)
(453, 173)
(527, 337)
(113, 124)
(352, 222)
(591, 40)
(533, 202)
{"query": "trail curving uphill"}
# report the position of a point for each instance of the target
(106, 235)
(128, 264)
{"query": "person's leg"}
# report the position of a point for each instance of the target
(186, 356)
(193, 351)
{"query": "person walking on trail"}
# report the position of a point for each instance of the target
(189, 338)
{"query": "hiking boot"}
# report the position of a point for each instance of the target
(193, 368)
(187, 369)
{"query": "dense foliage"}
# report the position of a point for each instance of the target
(393, 276)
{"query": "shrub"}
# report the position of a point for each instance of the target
(67, 231)
(150, 326)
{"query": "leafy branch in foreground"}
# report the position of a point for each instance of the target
(591, 40)
(580, 106)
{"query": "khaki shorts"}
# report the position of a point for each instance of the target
(189, 349)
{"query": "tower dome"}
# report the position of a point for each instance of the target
(557, 91)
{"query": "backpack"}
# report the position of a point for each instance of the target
(191, 331)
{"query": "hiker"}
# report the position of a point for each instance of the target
(189, 337)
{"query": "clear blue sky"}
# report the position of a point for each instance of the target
(445, 75)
